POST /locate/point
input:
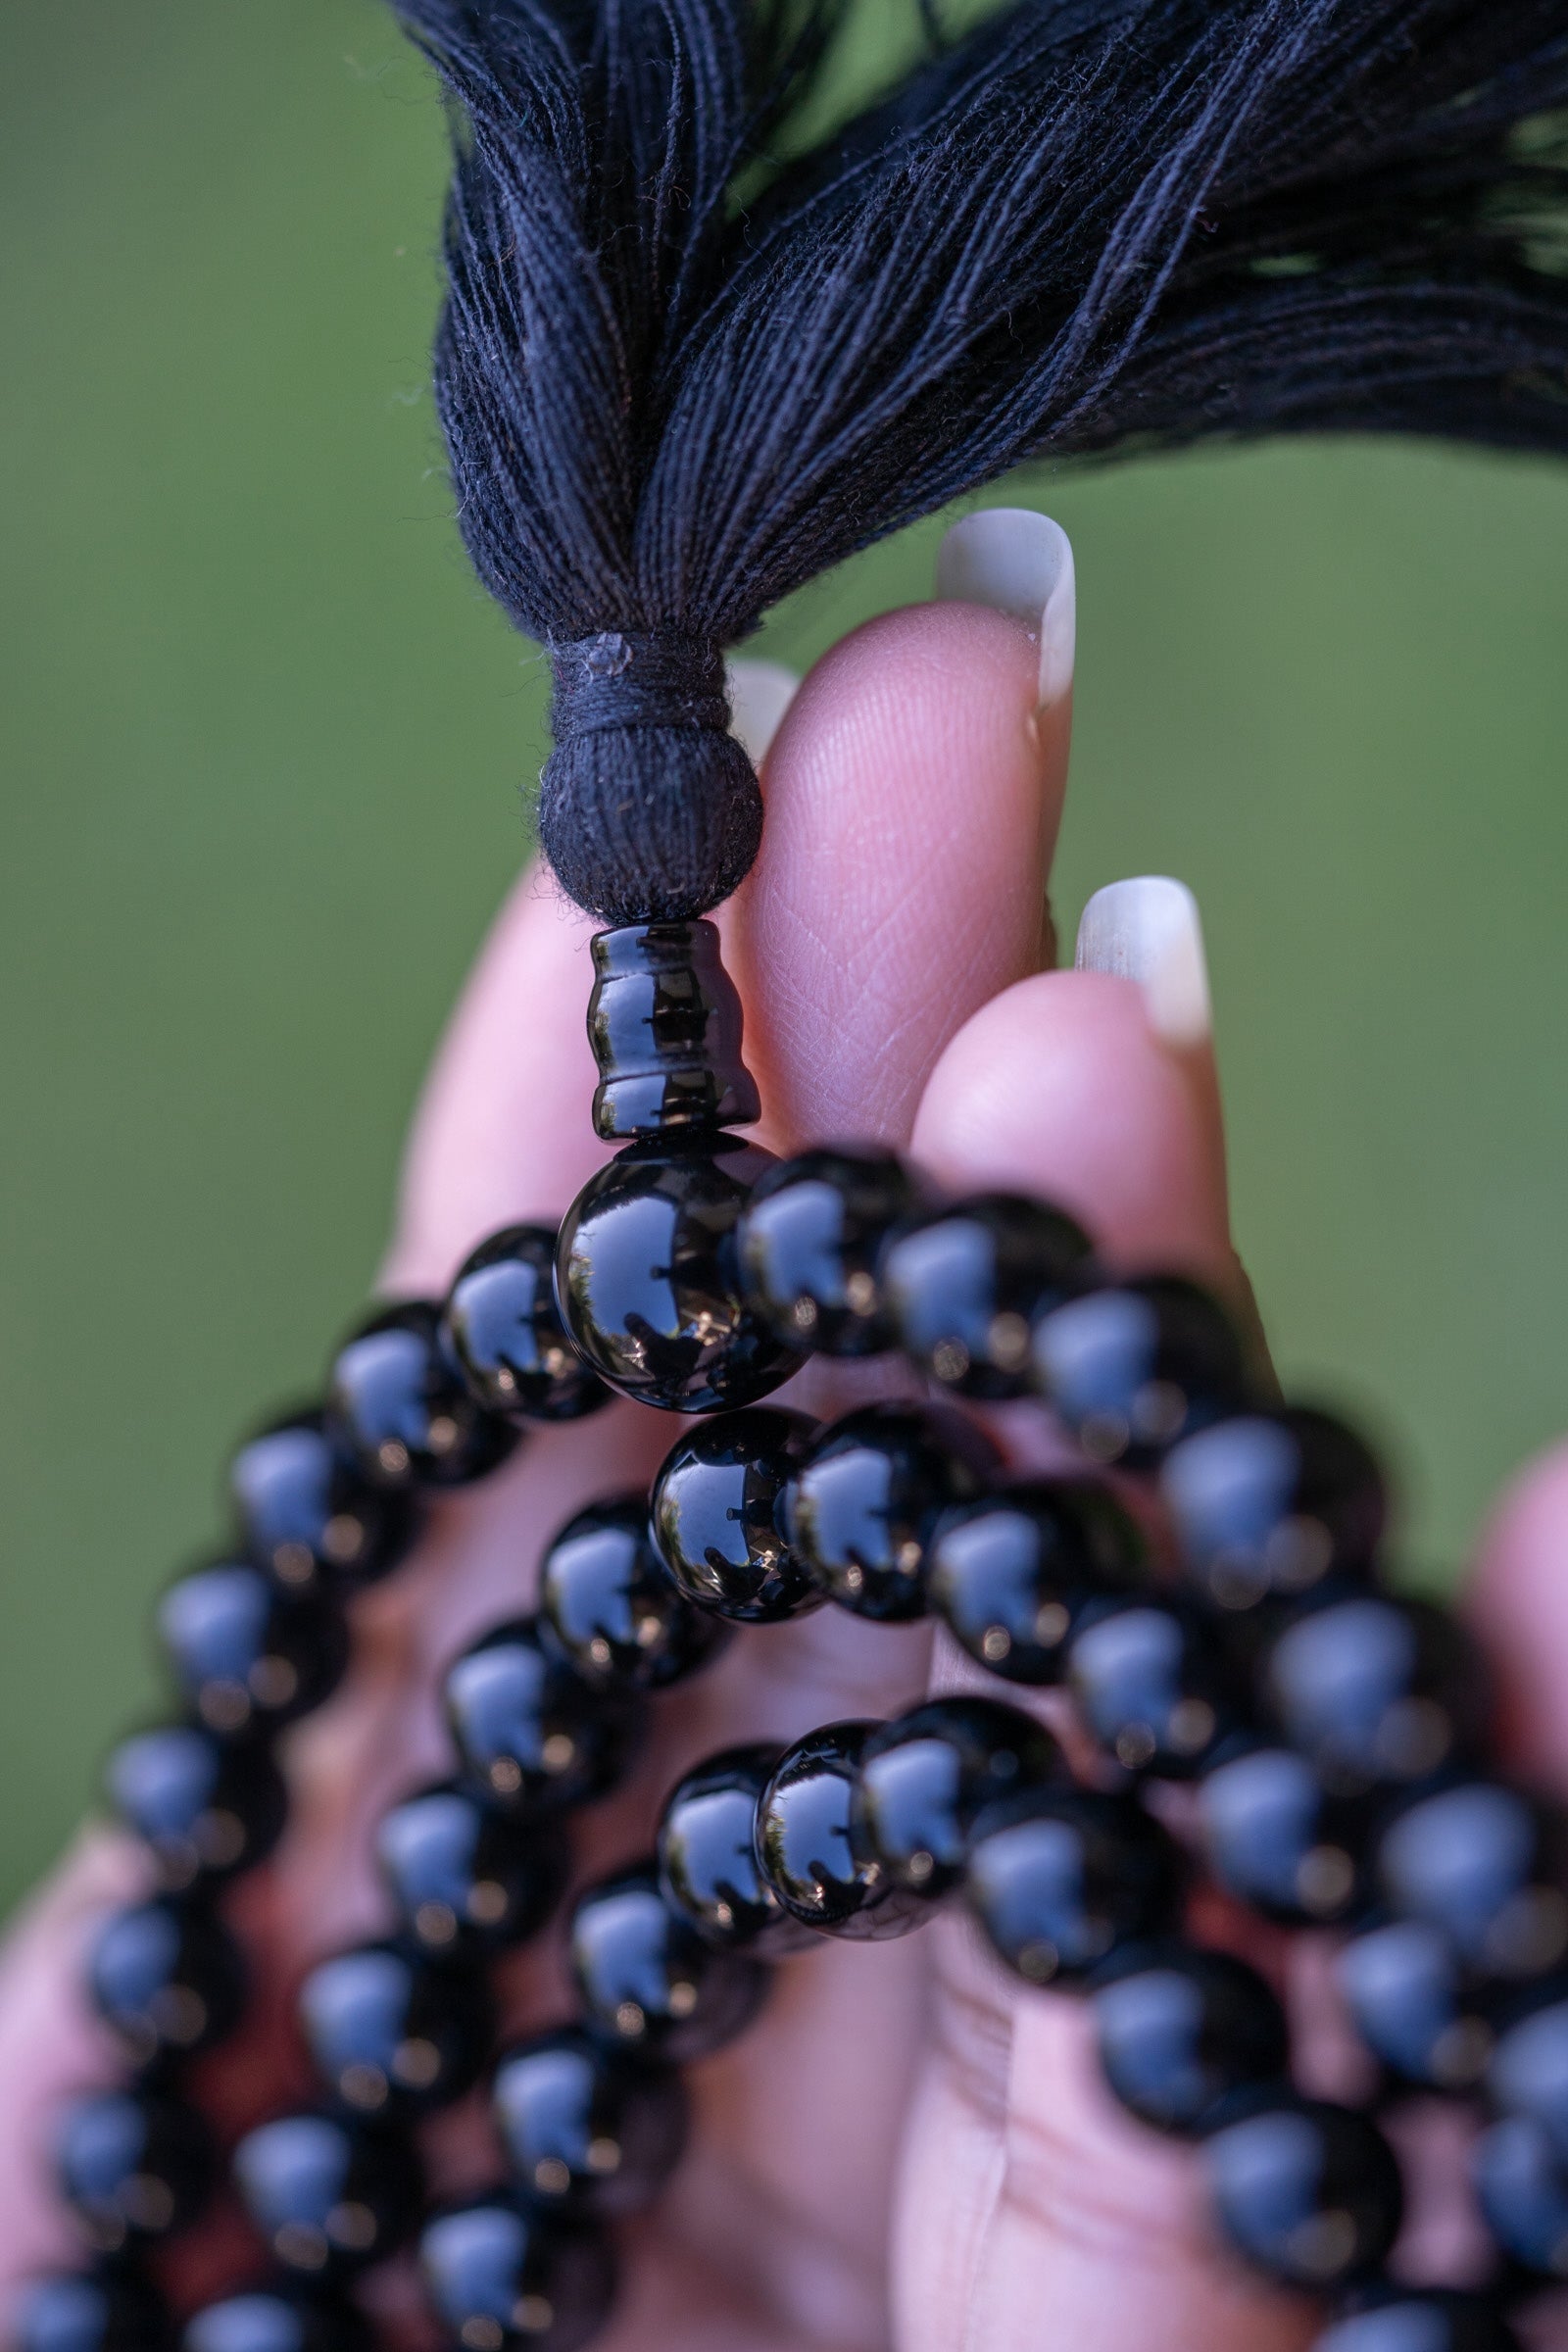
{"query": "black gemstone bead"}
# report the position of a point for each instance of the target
(809, 1847)
(717, 1514)
(1276, 1841)
(708, 1865)
(1420, 2319)
(1520, 2176)
(1414, 2005)
(665, 1023)
(1377, 1691)
(504, 2278)
(1181, 2031)
(647, 1979)
(608, 1599)
(399, 1408)
(502, 1330)
(1009, 1574)
(529, 1729)
(466, 1875)
(1061, 1879)
(865, 1504)
(586, 2129)
(280, 2318)
(247, 1652)
(1134, 1366)
(206, 1807)
(1487, 1866)
(1150, 1683)
(1529, 2070)
(133, 2168)
(925, 1777)
(393, 2034)
(1308, 2192)
(962, 1286)
(169, 1979)
(307, 1516)
(647, 1278)
(78, 2312)
(1271, 1502)
(329, 2194)
(809, 1241)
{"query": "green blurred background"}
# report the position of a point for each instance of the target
(262, 742)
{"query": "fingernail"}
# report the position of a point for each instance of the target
(760, 694)
(1019, 563)
(1148, 930)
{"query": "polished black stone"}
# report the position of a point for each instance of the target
(587, 2130)
(1528, 2074)
(329, 2196)
(208, 1808)
(809, 1241)
(708, 1864)
(1181, 2031)
(718, 1513)
(1009, 1574)
(809, 1847)
(864, 1506)
(395, 2033)
(398, 1405)
(1271, 1502)
(1308, 2192)
(502, 1328)
(89, 2312)
(1414, 2006)
(307, 1516)
(529, 1729)
(963, 1284)
(1487, 1865)
(665, 1023)
(1134, 1366)
(502, 2277)
(924, 1778)
(466, 1873)
(647, 1979)
(169, 1978)
(1274, 1838)
(614, 1607)
(133, 2167)
(247, 1652)
(1061, 1879)
(1377, 1691)
(1149, 1684)
(1520, 2177)
(1420, 2319)
(279, 2318)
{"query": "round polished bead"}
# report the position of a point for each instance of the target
(1520, 2176)
(1308, 2192)
(502, 1330)
(718, 1513)
(963, 1284)
(647, 1278)
(1059, 1878)
(1487, 1866)
(809, 1241)
(1134, 1366)
(208, 1808)
(502, 2277)
(1009, 1574)
(169, 1979)
(664, 1022)
(807, 1844)
(80, 2312)
(586, 2129)
(466, 1875)
(396, 2034)
(133, 2167)
(1420, 2319)
(707, 1866)
(1276, 1841)
(1414, 2005)
(612, 1607)
(1377, 1691)
(328, 2194)
(1150, 1684)
(648, 1980)
(307, 1516)
(280, 2318)
(400, 1409)
(247, 1652)
(1529, 2070)
(529, 1729)
(865, 1504)
(1182, 2030)
(1271, 1502)
(924, 1778)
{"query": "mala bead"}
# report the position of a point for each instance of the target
(647, 1980)
(133, 2167)
(529, 1729)
(1272, 1502)
(1149, 1684)
(707, 1866)
(1520, 2176)
(1132, 1367)
(809, 1240)
(169, 1978)
(1061, 1879)
(665, 1023)
(586, 2129)
(502, 1328)
(1276, 1841)
(208, 1808)
(466, 1875)
(1379, 1693)
(307, 1515)
(248, 1653)
(107, 2311)
(865, 1504)
(1181, 2031)
(502, 2277)
(963, 1284)
(1487, 1865)
(717, 1514)
(393, 2034)
(924, 1778)
(1420, 2319)
(1414, 2007)
(1011, 1573)
(329, 2194)
(809, 1847)
(606, 1598)
(648, 1277)
(1308, 2192)
(277, 2319)
(1529, 2070)
(399, 1408)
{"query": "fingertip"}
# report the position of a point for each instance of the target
(1519, 1600)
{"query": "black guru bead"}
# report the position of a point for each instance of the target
(466, 1875)
(1271, 1502)
(277, 2319)
(133, 2167)
(307, 1516)
(328, 2194)
(665, 1023)
(809, 1241)
(587, 2130)
(396, 2034)
(1134, 1367)
(502, 1328)
(528, 1726)
(169, 1979)
(1149, 1684)
(1379, 1693)
(647, 1979)
(1307, 2191)
(924, 1778)
(208, 1808)
(1059, 1878)
(717, 1514)
(246, 1651)
(963, 1285)
(708, 1870)
(398, 1407)
(1276, 1841)
(110, 2312)
(504, 2278)
(1182, 2030)
(1010, 1574)
(809, 1847)
(865, 1504)
(610, 1601)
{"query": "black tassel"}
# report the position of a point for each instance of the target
(682, 371)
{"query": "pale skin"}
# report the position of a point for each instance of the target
(908, 2150)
